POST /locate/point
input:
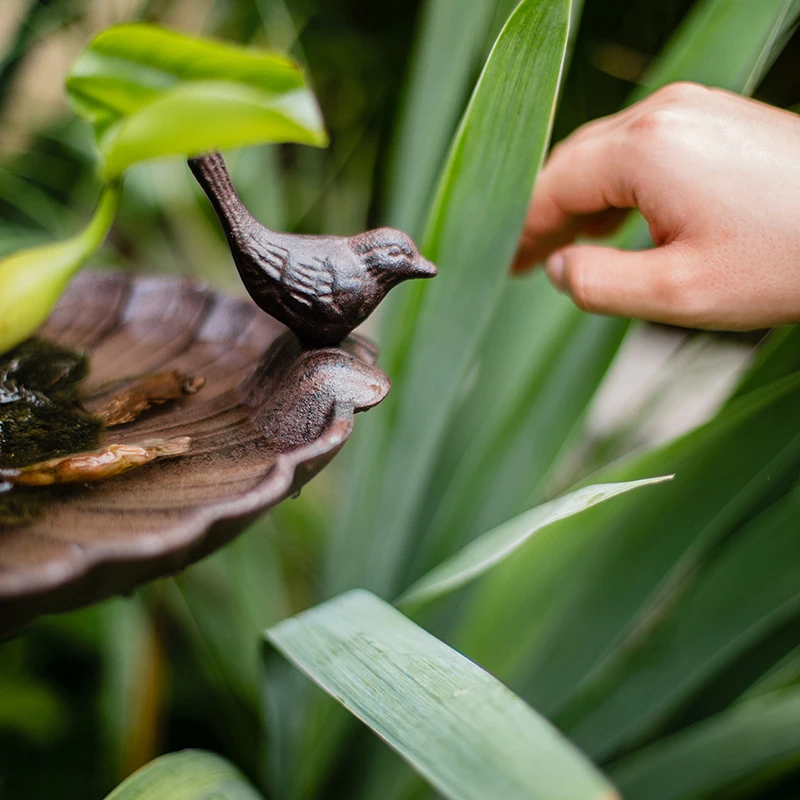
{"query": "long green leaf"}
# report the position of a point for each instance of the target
(449, 42)
(31, 281)
(150, 92)
(723, 471)
(714, 22)
(752, 588)
(503, 444)
(494, 547)
(491, 470)
(554, 615)
(465, 732)
(757, 738)
(476, 219)
(187, 775)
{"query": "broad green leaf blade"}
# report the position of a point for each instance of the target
(449, 43)
(197, 118)
(552, 617)
(589, 343)
(151, 92)
(128, 65)
(187, 775)
(465, 732)
(758, 738)
(498, 471)
(494, 547)
(643, 556)
(503, 444)
(31, 281)
(472, 232)
(751, 589)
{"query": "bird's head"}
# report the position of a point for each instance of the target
(391, 255)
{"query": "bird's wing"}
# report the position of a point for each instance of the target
(272, 258)
(310, 281)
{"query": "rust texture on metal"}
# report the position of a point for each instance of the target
(320, 287)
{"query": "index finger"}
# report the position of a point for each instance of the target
(583, 188)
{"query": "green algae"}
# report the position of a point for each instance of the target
(40, 416)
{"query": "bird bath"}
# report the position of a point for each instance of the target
(252, 410)
(270, 415)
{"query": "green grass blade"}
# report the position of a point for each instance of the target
(472, 232)
(465, 732)
(491, 549)
(748, 591)
(553, 616)
(493, 466)
(503, 444)
(151, 92)
(722, 471)
(449, 43)
(187, 775)
(760, 737)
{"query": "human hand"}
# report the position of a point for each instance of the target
(716, 176)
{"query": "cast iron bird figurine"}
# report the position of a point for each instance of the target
(320, 287)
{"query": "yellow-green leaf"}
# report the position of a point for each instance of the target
(31, 281)
(151, 92)
(187, 775)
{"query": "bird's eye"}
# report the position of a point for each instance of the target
(394, 252)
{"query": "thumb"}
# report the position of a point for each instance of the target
(656, 284)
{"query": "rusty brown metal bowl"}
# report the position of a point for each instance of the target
(270, 416)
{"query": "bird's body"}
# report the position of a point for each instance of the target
(320, 287)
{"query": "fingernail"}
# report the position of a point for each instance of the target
(555, 269)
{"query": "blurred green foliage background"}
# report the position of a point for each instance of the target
(90, 696)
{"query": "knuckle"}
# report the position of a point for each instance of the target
(652, 123)
(685, 291)
(662, 129)
(680, 91)
(667, 115)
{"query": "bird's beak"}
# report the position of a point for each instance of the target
(422, 268)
